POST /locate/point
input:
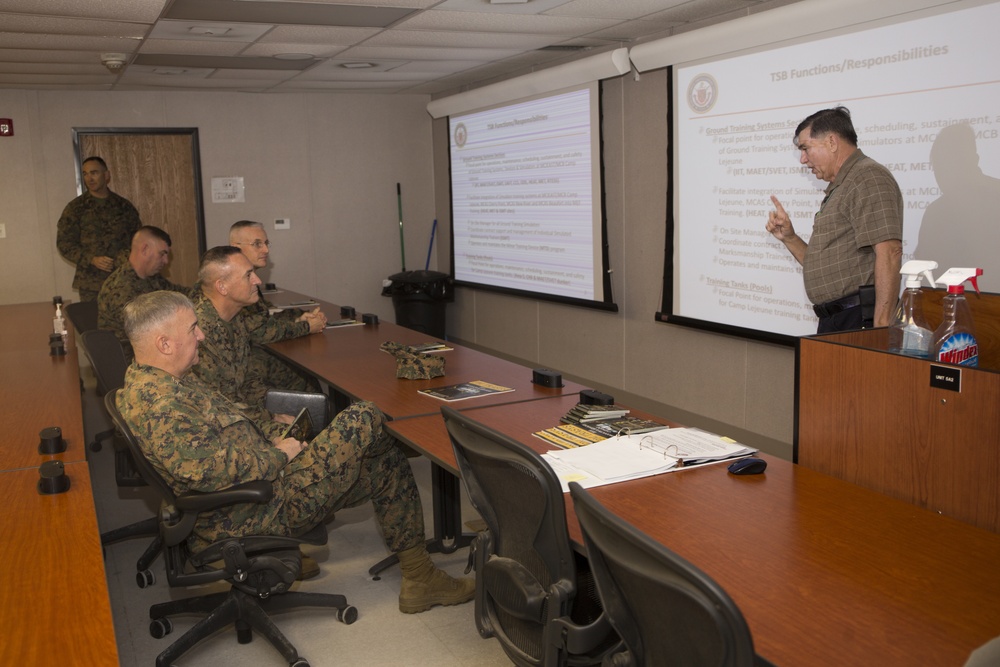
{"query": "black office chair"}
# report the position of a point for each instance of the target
(666, 610)
(83, 315)
(104, 351)
(260, 568)
(533, 592)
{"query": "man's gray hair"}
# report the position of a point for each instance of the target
(147, 312)
(243, 224)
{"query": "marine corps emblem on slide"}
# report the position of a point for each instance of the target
(702, 93)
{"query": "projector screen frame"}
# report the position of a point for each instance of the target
(605, 270)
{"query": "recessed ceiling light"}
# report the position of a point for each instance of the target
(357, 65)
(293, 56)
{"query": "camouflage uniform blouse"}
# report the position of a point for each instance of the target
(197, 438)
(121, 287)
(93, 227)
(225, 356)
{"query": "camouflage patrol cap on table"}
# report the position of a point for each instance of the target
(412, 365)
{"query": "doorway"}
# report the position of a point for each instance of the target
(159, 171)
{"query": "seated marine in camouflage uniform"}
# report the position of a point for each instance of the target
(150, 254)
(228, 285)
(199, 440)
(251, 239)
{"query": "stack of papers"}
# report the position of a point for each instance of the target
(628, 457)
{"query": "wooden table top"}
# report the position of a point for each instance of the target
(37, 390)
(349, 359)
(825, 572)
(54, 607)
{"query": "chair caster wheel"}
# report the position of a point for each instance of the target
(301, 662)
(160, 628)
(347, 615)
(144, 578)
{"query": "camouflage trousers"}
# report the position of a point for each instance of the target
(348, 464)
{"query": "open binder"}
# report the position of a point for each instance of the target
(626, 457)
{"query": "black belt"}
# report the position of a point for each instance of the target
(831, 308)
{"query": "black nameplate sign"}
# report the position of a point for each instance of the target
(946, 377)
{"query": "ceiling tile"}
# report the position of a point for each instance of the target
(619, 9)
(419, 53)
(435, 38)
(64, 26)
(274, 49)
(203, 47)
(332, 35)
(220, 32)
(532, 7)
(95, 69)
(494, 22)
(68, 42)
(298, 13)
(45, 56)
(55, 79)
(143, 11)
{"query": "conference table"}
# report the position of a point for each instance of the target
(350, 361)
(825, 572)
(54, 605)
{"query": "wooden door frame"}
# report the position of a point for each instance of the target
(195, 162)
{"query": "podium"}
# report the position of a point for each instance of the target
(880, 421)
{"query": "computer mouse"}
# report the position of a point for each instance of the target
(749, 465)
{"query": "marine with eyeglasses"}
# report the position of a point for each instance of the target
(251, 238)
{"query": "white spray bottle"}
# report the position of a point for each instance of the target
(955, 340)
(909, 333)
(59, 322)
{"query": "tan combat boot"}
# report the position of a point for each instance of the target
(425, 586)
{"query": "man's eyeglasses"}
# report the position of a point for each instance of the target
(257, 245)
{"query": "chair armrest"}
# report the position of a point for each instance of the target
(259, 491)
(514, 589)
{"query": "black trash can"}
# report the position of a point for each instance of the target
(419, 299)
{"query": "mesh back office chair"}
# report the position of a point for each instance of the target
(104, 350)
(667, 611)
(533, 593)
(83, 316)
(260, 568)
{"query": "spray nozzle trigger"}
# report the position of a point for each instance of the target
(914, 268)
(956, 276)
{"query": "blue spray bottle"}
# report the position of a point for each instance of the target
(955, 340)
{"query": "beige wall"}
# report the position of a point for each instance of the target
(330, 162)
(726, 384)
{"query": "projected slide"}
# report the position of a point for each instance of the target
(925, 98)
(523, 209)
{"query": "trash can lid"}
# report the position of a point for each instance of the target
(418, 276)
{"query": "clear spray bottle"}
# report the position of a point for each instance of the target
(909, 333)
(955, 340)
